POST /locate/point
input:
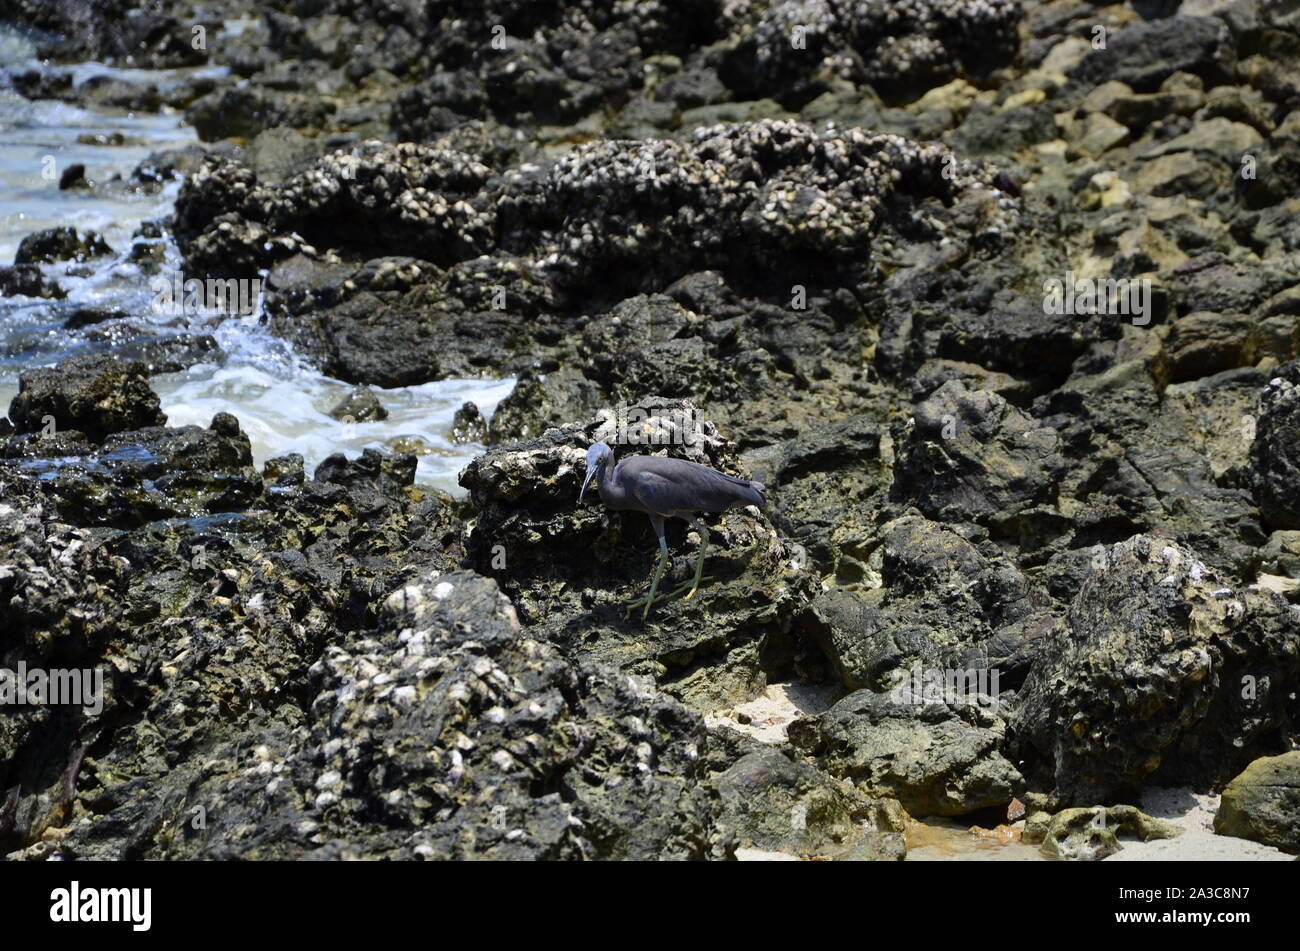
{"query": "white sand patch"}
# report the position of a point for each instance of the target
(1194, 814)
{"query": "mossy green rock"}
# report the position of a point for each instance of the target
(1263, 803)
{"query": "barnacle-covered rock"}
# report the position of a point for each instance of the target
(1161, 674)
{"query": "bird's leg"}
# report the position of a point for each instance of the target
(699, 564)
(650, 599)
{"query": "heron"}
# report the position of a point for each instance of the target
(666, 488)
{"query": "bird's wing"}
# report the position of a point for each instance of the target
(657, 494)
(668, 486)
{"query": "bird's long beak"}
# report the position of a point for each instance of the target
(591, 471)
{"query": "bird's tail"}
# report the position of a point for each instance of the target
(758, 492)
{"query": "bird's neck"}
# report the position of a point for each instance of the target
(611, 493)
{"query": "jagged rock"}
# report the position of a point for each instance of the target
(27, 280)
(60, 244)
(975, 457)
(360, 406)
(1160, 674)
(468, 425)
(1144, 54)
(937, 756)
(944, 602)
(97, 395)
(780, 804)
(1276, 449)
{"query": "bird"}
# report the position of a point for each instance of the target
(666, 488)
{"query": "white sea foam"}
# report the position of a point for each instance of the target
(281, 402)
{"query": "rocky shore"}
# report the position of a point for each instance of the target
(1021, 564)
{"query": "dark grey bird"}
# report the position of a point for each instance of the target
(667, 488)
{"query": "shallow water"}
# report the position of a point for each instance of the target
(282, 403)
(939, 840)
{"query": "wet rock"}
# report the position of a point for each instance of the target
(1263, 803)
(360, 406)
(147, 474)
(105, 30)
(936, 757)
(468, 425)
(74, 176)
(96, 394)
(372, 466)
(1161, 674)
(284, 471)
(29, 281)
(164, 353)
(89, 316)
(60, 244)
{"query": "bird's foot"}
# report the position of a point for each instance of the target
(687, 588)
(646, 604)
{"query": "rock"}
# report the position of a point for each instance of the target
(1180, 173)
(468, 425)
(527, 525)
(389, 473)
(779, 804)
(284, 471)
(1202, 344)
(1282, 554)
(277, 154)
(936, 757)
(1161, 674)
(28, 281)
(1089, 834)
(540, 400)
(97, 395)
(1144, 54)
(74, 176)
(149, 474)
(360, 406)
(829, 518)
(60, 244)
(900, 55)
(1276, 449)
(944, 603)
(974, 457)
(484, 726)
(1263, 803)
(1101, 133)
